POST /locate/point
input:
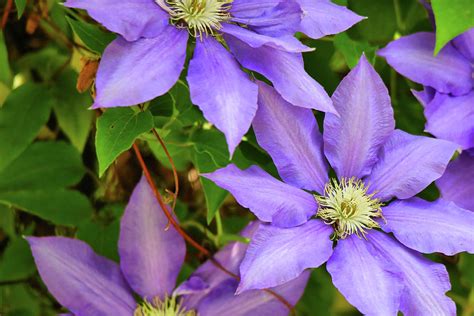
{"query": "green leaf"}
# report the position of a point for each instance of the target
(453, 17)
(211, 154)
(352, 50)
(20, 7)
(102, 238)
(71, 110)
(117, 129)
(380, 24)
(7, 220)
(17, 262)
(44, 165)
(163, 105)
(24, 112)
(214, 195)
(178, 147)
(212, 142)
(319, 294)
(35, 183)
(21, 300)
(5, 73)
(92, 36)
(60, 206)
(466, 265)
(189, 114)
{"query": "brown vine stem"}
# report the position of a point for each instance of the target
(6, 13)
(173, 167)
(188, 238)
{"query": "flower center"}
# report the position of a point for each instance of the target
(349, 208)
(168, 307)
(200, 17)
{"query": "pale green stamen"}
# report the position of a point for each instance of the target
(200, 17)
(349, 208)
(167, 307)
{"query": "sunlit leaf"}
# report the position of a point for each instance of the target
(353, 50)
(117, 129)
(453, 17)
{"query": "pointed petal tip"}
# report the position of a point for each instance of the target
(364, 62)
(382, 52)
(240, 289)
(94, 106)
(223, 92)
(232, 146)
(31, 240)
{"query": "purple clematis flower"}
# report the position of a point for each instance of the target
(214, 291)
(448, 79)
(151, 257)
(146, 60)
(379, 171)
(456, 184)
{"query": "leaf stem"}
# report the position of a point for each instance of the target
(13, 282)
(398, 15)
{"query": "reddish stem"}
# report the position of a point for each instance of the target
(6, 13)
(173, 167)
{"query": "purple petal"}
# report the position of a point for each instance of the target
(321, 18)
(223, 301)
(424, 96)
(408, 164)
(412, 56)
(269, 17)
(465, 44)
(81, 281)
(428, 227)
(222, 90)
(277, 255)
(134, 72)
(364, 277)
(456, 184)
(286, 71)
(287, 43)
(207, 283)
(194, 285)
(352, 140)
(208, 276)
(130, 18)
(151, 253)
(426, 282)
(291, 136)
(269, 199)
(445, 109)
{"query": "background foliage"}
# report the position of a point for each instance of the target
(69, 171)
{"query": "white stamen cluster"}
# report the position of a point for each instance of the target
(349, 208)
(167, 307)
(200, 17)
